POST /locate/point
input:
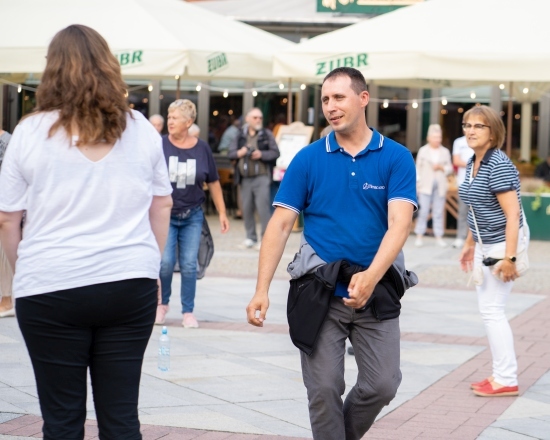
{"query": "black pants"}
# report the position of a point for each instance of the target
(105, 327)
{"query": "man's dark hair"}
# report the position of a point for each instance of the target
(358, 83)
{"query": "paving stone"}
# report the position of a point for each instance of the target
(502, 434)
(227, 375)
(6, 417)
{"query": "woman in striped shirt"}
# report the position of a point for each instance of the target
(491, 190)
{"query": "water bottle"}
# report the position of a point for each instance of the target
(164, 351)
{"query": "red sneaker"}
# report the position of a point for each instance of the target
(487, 390)
(475, 385)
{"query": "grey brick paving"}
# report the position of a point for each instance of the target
(242, 381)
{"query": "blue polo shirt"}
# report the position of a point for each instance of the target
(345, 199)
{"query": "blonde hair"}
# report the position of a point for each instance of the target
(186, 107)
(434, 129)
(82, 81)
(493, 120)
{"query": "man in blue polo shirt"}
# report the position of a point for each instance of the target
(357, 191)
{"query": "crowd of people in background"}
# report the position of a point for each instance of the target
(160, 184)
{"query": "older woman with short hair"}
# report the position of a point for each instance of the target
(190, 165)
(433, 165)
(498, 230)
(91, 176)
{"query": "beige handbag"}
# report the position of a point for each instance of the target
(522, 258)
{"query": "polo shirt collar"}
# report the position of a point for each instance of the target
(376, 142)
(488, 155)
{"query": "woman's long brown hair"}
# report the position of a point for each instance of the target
(82, 80)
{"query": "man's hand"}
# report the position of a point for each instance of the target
(360, 290)
(256, 155)
(259, 302)
(242, 152)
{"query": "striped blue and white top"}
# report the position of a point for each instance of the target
(496, 174)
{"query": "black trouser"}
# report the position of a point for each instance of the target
(105, 327)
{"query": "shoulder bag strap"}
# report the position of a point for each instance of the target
(474, 215)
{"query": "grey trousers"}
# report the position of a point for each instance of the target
(376, 345)
(462, 220)
(256, 195)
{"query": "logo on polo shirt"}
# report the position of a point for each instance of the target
(367, 185)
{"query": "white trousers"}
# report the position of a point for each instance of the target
(492, 295)
(436, 203)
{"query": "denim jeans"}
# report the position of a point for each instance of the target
(185, 232)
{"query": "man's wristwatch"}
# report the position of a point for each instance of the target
(512, 259)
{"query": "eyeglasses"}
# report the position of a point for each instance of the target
(476, 127)
(257, 117)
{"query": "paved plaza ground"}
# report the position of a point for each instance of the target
(229, 380)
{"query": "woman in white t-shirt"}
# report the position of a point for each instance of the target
(433, 165)
(91, 175)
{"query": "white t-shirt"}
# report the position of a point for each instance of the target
(461, 148)
(87, 222)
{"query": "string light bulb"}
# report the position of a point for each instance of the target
(254, 93)
(225, 93)
(501, 86)
(415, 104)
(443, 101)
(281, 86)
(150, 87)
(386, 103)
(177, 77)
(526, 90)
(303, 87)
(473, 95)
(199, 87)
(19, 88)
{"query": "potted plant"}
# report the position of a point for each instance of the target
(535, 198)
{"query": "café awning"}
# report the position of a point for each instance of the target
(150, 38)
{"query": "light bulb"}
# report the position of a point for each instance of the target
(415, 104)
(501, 86)
(303, 87)
(473, 95)
(526, 90)
(386, 103)
(225, 94)
(198, 88)
(19, 88)
(177, 77)
(150, 87)
(444, 101)
(254, 93)
(281, 86)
